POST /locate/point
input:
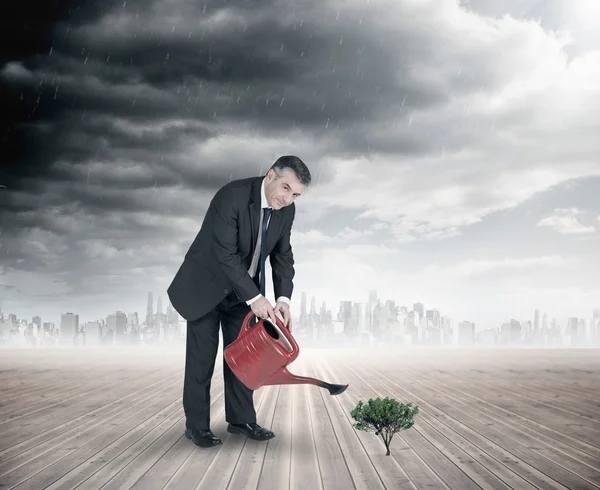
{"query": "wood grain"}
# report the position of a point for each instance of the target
(496, 419)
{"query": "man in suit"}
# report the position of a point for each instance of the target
(222, 279)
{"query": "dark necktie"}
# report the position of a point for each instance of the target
(263, 242)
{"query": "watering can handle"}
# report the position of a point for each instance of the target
(284, 330)
(246, 324)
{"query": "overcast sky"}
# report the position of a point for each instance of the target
(454, 149)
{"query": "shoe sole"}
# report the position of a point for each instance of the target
(209, 445)
(233, 430)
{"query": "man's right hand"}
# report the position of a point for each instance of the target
(262, 308)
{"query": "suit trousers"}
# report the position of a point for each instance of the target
(201, 351)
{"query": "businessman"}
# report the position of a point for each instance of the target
(222, 279)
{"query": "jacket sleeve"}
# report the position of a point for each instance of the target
(225, 214)
(282, 262)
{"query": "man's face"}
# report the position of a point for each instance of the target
(283, 190)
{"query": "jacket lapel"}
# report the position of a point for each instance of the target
(255, 212)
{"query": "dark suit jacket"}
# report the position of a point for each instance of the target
(218, 260)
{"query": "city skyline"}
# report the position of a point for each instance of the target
(158, 305)
(453, 148)
(373, 324)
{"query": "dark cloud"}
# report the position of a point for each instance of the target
(273, 66)
(116, 97)
(29, 30)
(305, 72)
(122, 118)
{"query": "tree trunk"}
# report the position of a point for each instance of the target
(388, 442)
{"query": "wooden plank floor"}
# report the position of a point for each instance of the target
(491, 419)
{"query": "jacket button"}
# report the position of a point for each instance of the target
(226, 291)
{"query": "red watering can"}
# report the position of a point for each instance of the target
(261, 353)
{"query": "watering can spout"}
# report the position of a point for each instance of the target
(284, 377)
(334, 389)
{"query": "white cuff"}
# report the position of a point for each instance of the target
(250, 301)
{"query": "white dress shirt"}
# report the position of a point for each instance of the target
(265, 204)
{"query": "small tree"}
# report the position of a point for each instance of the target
(385, 417)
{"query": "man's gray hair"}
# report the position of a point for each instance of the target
(293, 164)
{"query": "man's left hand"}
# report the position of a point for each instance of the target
(285, 311)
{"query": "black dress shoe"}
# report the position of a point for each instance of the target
(252, 430)
(203, 438)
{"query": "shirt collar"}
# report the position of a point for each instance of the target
(263, 197)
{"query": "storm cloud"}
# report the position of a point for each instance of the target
(418, 122)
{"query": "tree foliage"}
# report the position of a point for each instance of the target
(385, 417)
